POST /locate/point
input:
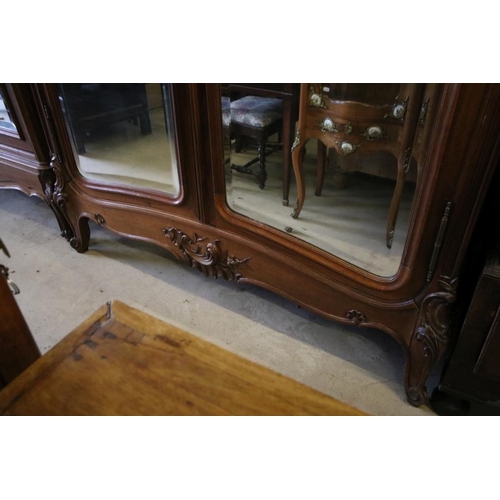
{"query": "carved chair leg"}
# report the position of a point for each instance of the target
(240, 140)
(321, 167)
(287, 161)
(395, 203)
(297, 160)
(404, 157)
(262, 174)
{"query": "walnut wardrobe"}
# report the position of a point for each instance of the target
(391, 178)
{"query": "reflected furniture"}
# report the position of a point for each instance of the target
(459, 149)
(6, 120)
(96, 106)
(353, 127)
(289, 94)
(256, 118)
(121, 361)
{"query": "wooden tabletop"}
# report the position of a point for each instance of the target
(121, 361)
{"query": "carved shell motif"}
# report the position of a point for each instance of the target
(208, 258)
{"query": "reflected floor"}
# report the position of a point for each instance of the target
(349, 222)
(121, 154)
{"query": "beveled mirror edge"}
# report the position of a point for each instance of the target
(62, 142)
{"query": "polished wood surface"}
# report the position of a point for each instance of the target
(121, 361)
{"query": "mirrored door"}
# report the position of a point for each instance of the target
(7, 124)
(123, 133)
(353, 169)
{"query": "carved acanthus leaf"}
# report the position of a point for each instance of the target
(52, 183)
(434, 329)
(208, 258)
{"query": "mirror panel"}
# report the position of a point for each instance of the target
(6, 121)
(354, 165)
(123, 133)
(376, 94)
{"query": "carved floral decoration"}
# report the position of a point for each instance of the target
(208, 258)
(53, 189)
(355, 316)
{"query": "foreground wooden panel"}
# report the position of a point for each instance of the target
(125, 362)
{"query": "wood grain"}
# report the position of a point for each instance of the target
(134, 364)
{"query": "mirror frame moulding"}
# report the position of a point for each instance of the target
(7, 98)
(143, 195)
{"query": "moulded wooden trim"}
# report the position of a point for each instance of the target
(143, 196)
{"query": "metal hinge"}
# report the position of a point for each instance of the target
(54, 155)
(439, 241)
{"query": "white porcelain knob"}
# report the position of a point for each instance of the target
(328, 125)
(374, 132)
(346, 147)
(315, 100)
(398, 111)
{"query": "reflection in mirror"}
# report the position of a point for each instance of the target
(123, 133)
(376, 94)
(354, 165)
(6, 121)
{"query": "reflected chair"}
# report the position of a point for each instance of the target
(356, 127)
(257, 118)
(98, 105)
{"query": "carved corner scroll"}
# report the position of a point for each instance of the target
(431, 337)
(52, 182)
(208, 258)
(53, 185)
(435, 324)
